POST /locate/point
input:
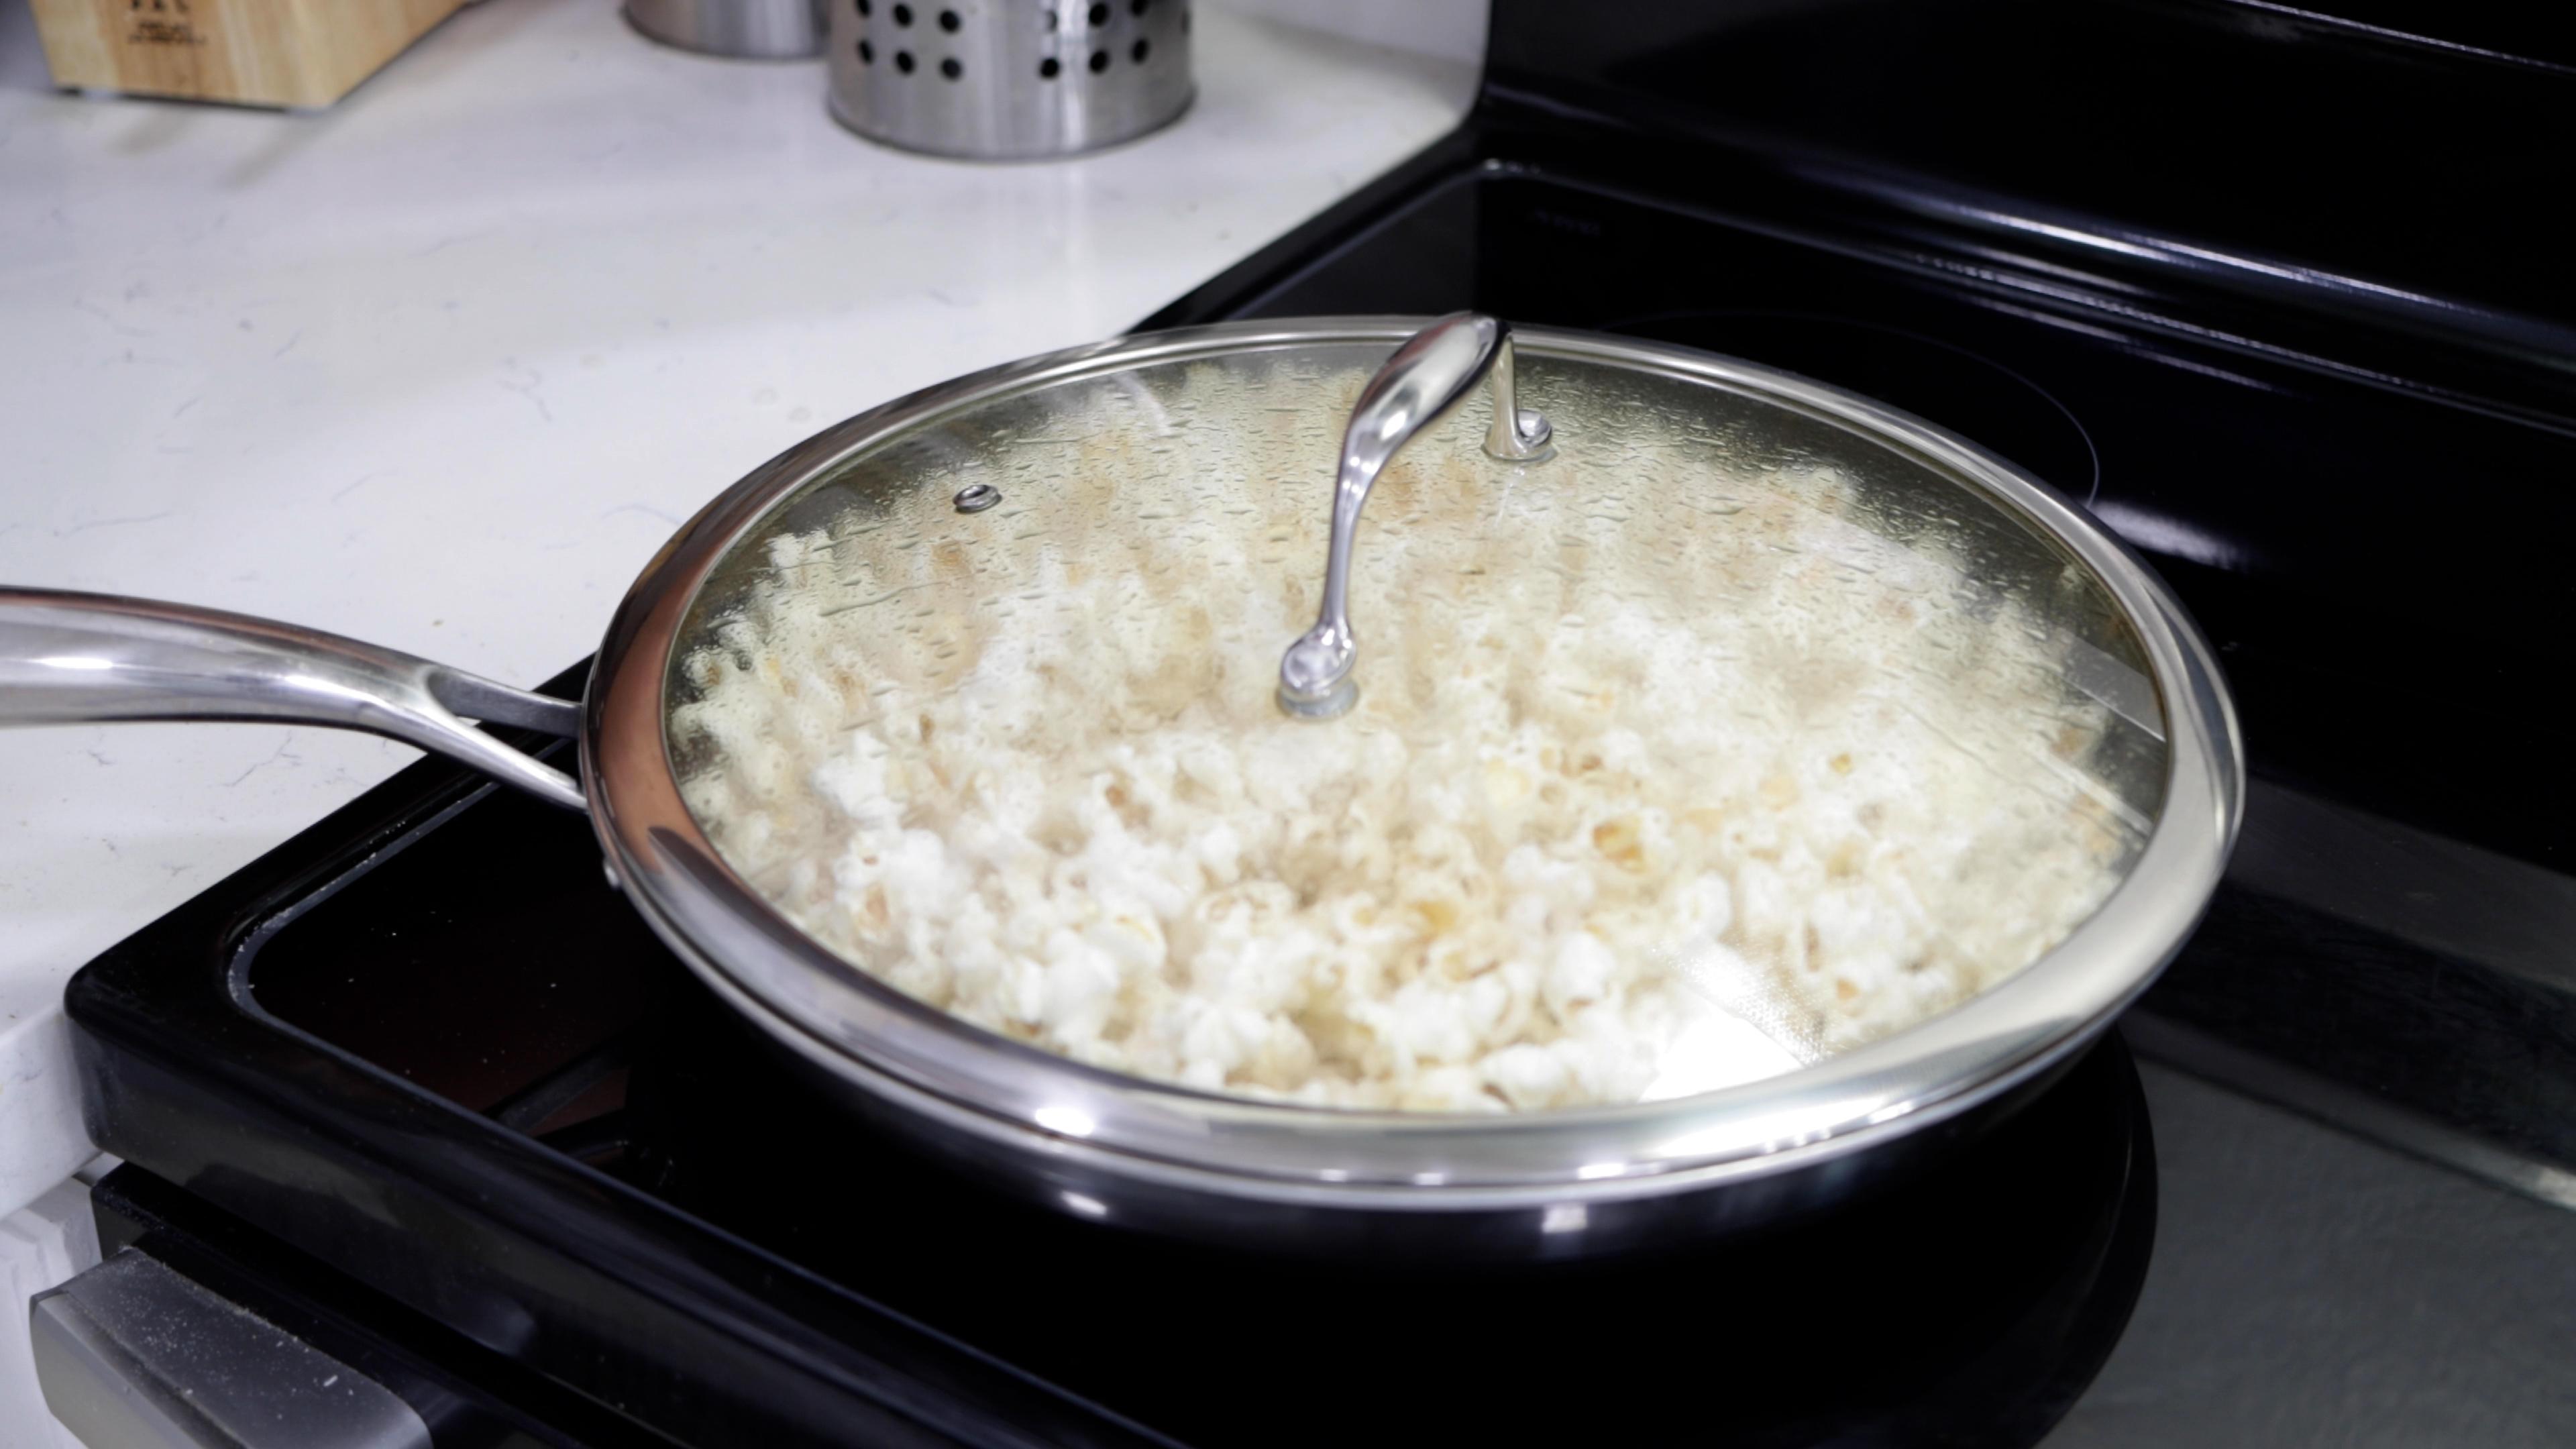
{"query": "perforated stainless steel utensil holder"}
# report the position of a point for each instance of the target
(1008, 79)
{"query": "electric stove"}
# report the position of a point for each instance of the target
(419, 1089)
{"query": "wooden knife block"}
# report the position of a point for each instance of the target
(251, 52)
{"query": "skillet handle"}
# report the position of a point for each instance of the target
(68, 658)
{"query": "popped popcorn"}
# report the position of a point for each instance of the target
(1634, 802)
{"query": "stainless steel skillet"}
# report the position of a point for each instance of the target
(1696, 441)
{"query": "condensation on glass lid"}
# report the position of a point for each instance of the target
(1721, 742)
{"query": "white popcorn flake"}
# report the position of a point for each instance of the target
(1582, 974)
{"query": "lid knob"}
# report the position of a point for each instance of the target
(1418, 385)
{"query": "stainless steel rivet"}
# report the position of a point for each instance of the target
(976, 497)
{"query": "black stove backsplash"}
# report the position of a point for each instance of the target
(2413, 154)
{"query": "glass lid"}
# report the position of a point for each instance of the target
(1724, 737)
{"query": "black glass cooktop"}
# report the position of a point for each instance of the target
(426, 1046)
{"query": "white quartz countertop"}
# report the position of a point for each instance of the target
(439, 368)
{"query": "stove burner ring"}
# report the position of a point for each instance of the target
(1969, 393)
